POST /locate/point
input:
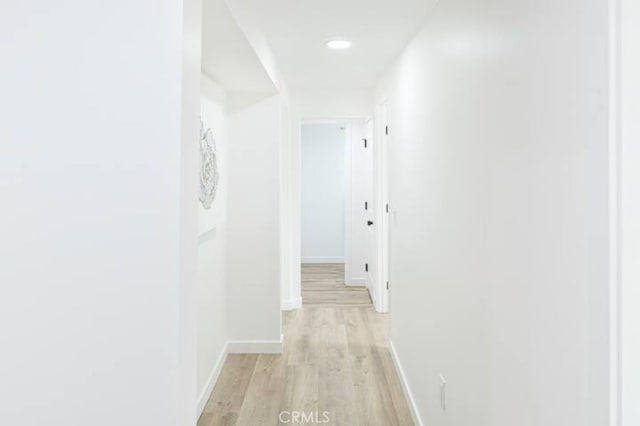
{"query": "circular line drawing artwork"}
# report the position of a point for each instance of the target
(208, 167)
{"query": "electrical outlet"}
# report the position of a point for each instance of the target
(443, 393)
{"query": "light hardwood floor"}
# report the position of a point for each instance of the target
(335, 359)
(323, 285)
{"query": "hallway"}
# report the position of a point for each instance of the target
(346, 212)
(336, 360)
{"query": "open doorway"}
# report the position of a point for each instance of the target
(338, 241)
(337, 363)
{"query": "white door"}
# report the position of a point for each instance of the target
(369, 220)
(361, 268)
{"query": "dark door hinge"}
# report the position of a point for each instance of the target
(366, 267)
(387, 285)
(366, 205)
(386, 130)
(365, 142)
(387, 207)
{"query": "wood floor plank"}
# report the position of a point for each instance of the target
(336, 389)
(392, 385)
(301, 391)
(336, 359)
(263, 398)
(229, 392)
(323, 285)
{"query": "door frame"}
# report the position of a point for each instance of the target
(384, 212)
(347, 157)
(297, 199)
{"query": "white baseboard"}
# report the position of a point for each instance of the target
(405, 386)
(369, 280)
(256, 347)
(291, 304)
(322, 259)
(213, 378)
(374, 300)
(238, 347)
(207, 235)
(360, 282)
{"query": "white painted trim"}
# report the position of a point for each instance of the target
(372, 295)
(207, 235)
(213, 378)
(381, 189)
(344, 121)
(360, 282)
(616, 397)
(237, 347)
(291, 304)
(295, 168)
(369, 281)
(348, 198)
(256, 346)
(322, 259)
(405, 386)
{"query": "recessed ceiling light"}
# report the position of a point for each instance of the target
(338, 44)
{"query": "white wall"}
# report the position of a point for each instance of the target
(324, 192)
(213, 112)
(287, 259)
(253, 231)
(190, 95)
(211, 293)
(499, 239)
(310, 105)
(630, 243)
(91, 217)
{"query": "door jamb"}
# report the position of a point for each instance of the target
(381, 189)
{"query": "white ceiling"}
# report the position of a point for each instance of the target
(297, 30)
(227, 55)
